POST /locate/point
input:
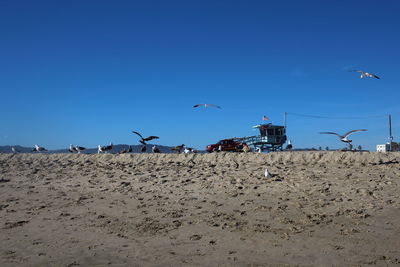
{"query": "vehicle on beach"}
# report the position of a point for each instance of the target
(230, 144)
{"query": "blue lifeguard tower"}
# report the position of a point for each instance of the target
(271, 138)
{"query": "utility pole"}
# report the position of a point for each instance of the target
(390, 133)
(284, 119)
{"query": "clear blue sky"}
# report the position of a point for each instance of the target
(89, 72)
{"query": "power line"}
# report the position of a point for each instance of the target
(338, 118)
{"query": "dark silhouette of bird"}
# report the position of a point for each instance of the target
(127, 150)
(144, 140)
(143, 148)
(206, 105)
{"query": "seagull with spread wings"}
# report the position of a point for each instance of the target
(206, 105)
(144, 140)
(344, 138)
(365, 74)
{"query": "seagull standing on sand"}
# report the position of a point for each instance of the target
(365, 74)
(104, 149)
(71, 148)
(155, 149)
(143, 148)
(128, 150)
(344, 138)
(206, 105)
(39, 148)
(187, 150)
(79, 148)
(178, 149)
(289, 145)
(268, 174)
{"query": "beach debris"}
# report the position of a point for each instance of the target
(381, 162)
(206, 105)
(365, 74)
(155, 149)
(344, 138)
(4, 180)
(39, 148)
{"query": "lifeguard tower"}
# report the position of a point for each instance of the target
(271, 138)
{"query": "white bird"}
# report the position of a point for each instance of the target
(104, 148)
(39, 148)
(79, 148)
(187, 150)
(14, 150)
(365, 74)
(71, 148)
(344, 138)
(289, 145)
(268, 174)
(206, 105)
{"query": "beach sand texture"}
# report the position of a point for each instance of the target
(319, 208)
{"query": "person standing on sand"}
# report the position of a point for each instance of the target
(246, 148)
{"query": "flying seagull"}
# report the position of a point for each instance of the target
(206, 105)
(343, 138)
(39, 148)
(144, 140)
(365, 74)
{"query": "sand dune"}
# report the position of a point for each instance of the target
(319, 208)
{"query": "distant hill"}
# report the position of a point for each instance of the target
(115, 150)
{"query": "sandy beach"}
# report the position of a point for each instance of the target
(319, 209)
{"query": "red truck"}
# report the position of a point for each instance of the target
(225, 145)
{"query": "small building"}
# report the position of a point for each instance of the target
(383, 148)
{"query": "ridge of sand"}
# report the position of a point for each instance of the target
(320, 208)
